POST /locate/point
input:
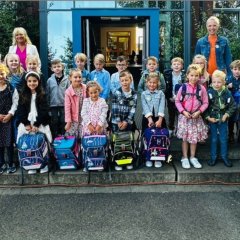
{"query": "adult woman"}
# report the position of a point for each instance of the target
(22, 45)
(215, 48)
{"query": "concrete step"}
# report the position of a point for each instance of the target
(168, 174)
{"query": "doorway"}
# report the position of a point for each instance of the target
(113, 32)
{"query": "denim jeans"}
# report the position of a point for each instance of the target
(219, 130)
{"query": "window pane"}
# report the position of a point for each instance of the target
(128, 4)
(60, 4)
(95, 4)
(60, 38)
(162, 4)
(227, 4)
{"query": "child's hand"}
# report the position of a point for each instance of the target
(123, 125)
(34, 129)
(224, 117)
(230, 85)
(7, 118)
(196, 114)
(2, 117)
(150, 122)
(91, 128)
(68, 126)
(212, 120)
(187, 114)
(158, 123)
(28, 128)
(99, 129)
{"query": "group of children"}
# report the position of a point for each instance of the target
(87, 103)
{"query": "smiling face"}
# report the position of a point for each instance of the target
(152, 83)
(32, 65)
(13, 63)
(3, 77)
(20, 38)
(152, 65)
(121, 66)
(32, 83)
(93, 93)
(76, 79)
(177, 67)
(193, 76)
(212, 27)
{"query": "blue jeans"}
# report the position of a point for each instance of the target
(219, 130)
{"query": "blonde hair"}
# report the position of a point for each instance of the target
(219, 74)
(99, 57)
(193, 67)
(125, 73)
(152, 58)
(177, 59)
(204, 70)
(35, 58)
(215, 19)
(73, 70)
(94, 84)
(20, 70)
(20, 30)
(154, 75)
(235, 64)
(4, 69)
(80, 56)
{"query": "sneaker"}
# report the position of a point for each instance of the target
(3, 168)
(44, 170)
(149, 164)
(84, 169)
(32, 171)
(194, 161)
(157, 164)
(118, 168)
(185, 163)
(11, 170)
(129, 167)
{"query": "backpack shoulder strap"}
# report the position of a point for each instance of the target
(184, 92)
(198, 93)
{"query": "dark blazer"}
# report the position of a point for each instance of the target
(42, 110)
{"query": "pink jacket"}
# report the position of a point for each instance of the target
(71, 105)
(190, 103)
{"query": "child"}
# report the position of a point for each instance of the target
(12, 61)
(204, 76)
(153, 104)
(173, 77)
(80, 61)
(33, 64)
(74, 96)
(55, 90)
(8, 105)
(101, 75)
(124, 101)
(221, 107)
(191, 128)
(152, 65)
(94, 111)
(121, 65)
(233, 84)
(33, 110)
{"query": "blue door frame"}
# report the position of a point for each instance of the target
(151, 13)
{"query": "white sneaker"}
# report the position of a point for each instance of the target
(32, 171)
(157, 164)
(44, 170)
(149, 164)
(118, 168)
(129, 167)
(185, 163)
(194, 161)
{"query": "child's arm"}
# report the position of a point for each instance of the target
(106, 86)
(141, 84)
(103, 116)
(162, 83)
(204, 97)
(43, 112)
(115, 112)
(132, 111)
(146, 110)
(230, 110)
(15, 99)
(161, 109)
(113, 83)
(85, 111)
(67, 110)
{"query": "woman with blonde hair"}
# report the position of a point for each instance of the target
(22, 45)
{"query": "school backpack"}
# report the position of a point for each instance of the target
(123, 151)
(94, 152)
(184, 93)
(66, 152)
(33, 151)
(156, 144)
